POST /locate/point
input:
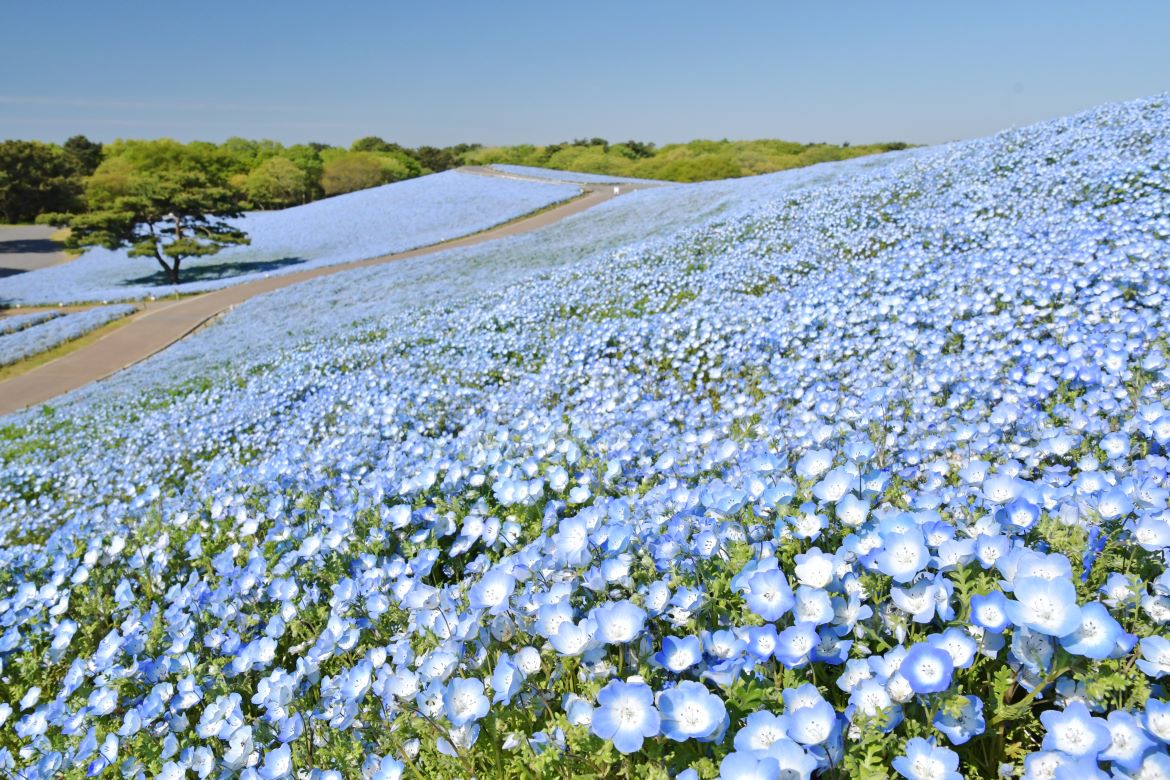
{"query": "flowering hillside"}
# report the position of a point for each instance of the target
(855, 471)
(378, 221)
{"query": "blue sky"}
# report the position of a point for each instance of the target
(540, 72)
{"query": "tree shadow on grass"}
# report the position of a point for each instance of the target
(206, 273)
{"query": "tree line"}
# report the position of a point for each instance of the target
(38, 178)
(80, 175)
(686, 162)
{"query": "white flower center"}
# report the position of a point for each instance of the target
(693, 718)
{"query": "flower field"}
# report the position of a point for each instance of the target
(18, 322)
(383, 220)
(44, 331)
(854, 471)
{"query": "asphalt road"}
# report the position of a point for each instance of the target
(27, 248)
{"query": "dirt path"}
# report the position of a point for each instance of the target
(162, 323)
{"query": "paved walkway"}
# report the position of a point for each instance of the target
(162, 323)
(27, 248)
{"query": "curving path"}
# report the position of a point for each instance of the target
(162, 323)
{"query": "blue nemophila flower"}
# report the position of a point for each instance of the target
(1155, 660)
(578, 711)
(872, 699)
(1156, 719)
(1098, 634)
(1152, 534)
(1118, 590)
(812, 605)
(958, 643)
(1025, 562)
(277, 764)
(814, 463)
(1044, 605)
(761, 640)
(506, 680)
(925, 599)
(794, 644)
(1021, 514)
(924, 760)
(724, 644)
(769, 594)
(620, 622)
(989, 611)
(464, 701)
(1046, 763)
(961, 726)
(387, 768)
(794, 761)
(1128, 741)
(927, 668)
(625, 715)
(815, 568)
(1035, 651)
(107, 755)
(989, 548)
(903, 555)
(812, 724)
(748, 766)
(1075, 731)
(1001, 488)
(657, 597)
(679, 653)
(1113, 504)
(1155, 764)
(573, 638)
(492, 592)
(760, 731)
(690, 711)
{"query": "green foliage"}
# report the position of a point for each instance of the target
(35, 178)
(351, 171)
(85, 154)
(693, 161)
(277, 183)
(867, 751)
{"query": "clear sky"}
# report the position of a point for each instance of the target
(503, 72)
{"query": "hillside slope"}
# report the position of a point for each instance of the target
(833, 460)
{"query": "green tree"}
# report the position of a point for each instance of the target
(307, 157)
(36, 177)
(360, 170)
(372, 143)
(163, 200)
(276, 183)
(435, 160)
(85, 154)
